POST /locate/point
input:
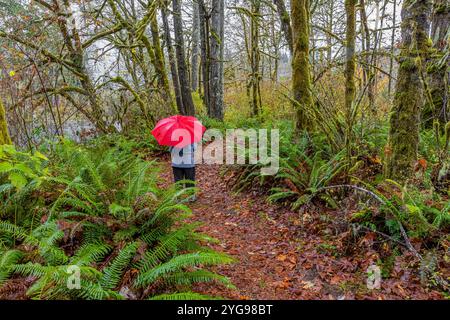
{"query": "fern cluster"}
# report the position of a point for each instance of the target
(106, 231)
(305, 167)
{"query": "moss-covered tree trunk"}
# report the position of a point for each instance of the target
(401, 151)
(195, 45)
(439, 64)
(301, 77)
(160, 66)
(285, 21)
(254, 86)
(350, 67)
(204, 51)
(4, 134)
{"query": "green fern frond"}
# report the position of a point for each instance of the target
(197, 276)
(113, 272)
(177, 263)
(167, 245)
(94, 291)
(7, 260)
(90, 253)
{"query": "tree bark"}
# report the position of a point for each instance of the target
(285, 20)
(401, 151)
(204, 42)
(172, 60)
(195, 46)
(439, 66)
(350, 67)
(160, 65)
(367, 69)
(185, 88)
(301, 77)
(255, 58)
(391, 58)
(4, 134)
(215, 109)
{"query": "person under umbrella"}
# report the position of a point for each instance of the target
(181, 134)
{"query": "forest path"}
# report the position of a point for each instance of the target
(282, 255)
(258, 235)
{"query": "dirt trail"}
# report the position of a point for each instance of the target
(275, 258)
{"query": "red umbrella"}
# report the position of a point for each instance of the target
(178, 131)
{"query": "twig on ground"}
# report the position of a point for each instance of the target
(439, 280)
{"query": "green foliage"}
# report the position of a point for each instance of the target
(310, 175)
(21, 174)
(180, 262)
(305, 166)
(107, 219)
(7, 261)
(422, 214)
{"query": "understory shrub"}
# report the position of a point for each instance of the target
(98, 214)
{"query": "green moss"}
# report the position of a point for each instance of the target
(401, 152)
(301, 78)
(408, 65)
(4, 135)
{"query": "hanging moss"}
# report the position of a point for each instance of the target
(4, 135)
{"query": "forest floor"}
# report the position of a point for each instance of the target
(281, 254)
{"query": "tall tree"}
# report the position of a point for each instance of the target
(285, 20)
(160, 64)
(350, 66)
(4, 134)
(401, 151)
(254, 86)
(391, 57)
(172, 58)
(195, 45)
(439, 64)
(185, 88)
(367, 64)
(301, 77)
(204, 48)
(215, 108)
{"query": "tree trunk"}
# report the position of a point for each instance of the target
(185, 88)
(401, 151)
(221, 103)
(204, 41)
(285, 20)
(391, 58)
(195, 46)
(367, 67)
(4, 134)
(350, 66)
(330, 28)
(439, 66)
(160, 65)
(350, 88)
(216, 60)
(255, 58)
(301, 77)
(172, 60)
